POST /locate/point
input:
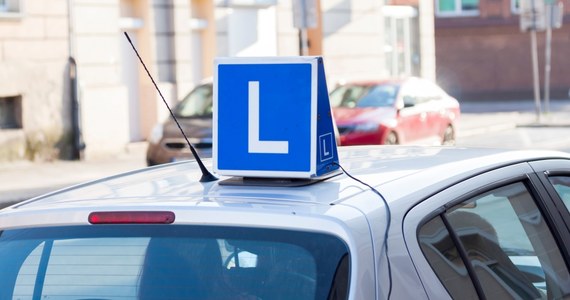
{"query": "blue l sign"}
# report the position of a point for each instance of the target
(265, 118)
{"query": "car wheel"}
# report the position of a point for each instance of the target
(448, 136)
(391, 139)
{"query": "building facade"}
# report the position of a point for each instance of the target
(482, 53)
(70, 76)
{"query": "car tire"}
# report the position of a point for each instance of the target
(391, 139)
(448, 138)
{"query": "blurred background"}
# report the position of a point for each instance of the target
(71, 85)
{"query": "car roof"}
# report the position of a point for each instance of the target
(392, 169)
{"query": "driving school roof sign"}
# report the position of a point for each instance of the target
(272, 118)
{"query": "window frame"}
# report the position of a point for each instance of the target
(535, 196)
(546, 169)
(463, 190)
(11, 9)
(12, 107)
(43, 238)
(458, 12)
(514, 9)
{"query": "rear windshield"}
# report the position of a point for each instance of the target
(170, 262)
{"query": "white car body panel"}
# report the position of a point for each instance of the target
(405, 176)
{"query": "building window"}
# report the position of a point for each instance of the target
(10, 7)
(11, 112)
(515, 6)
(446, 8)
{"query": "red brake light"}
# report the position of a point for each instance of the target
(131, 217)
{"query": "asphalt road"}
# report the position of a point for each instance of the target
(516, 125)
(509, 124)
(550, 138)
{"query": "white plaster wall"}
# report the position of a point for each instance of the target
(287, 35)
(103, 96)
(247, 31)
(352, 40)
(105, 126)
(222, 40)
(33, 60)
(427, 39)
(182, 48)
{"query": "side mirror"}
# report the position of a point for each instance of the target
(409, 101)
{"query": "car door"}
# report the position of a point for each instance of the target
(411, 115)
(497, 235)
(435, 109)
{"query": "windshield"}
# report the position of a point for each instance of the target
(351, 96)
(169, 262)
(196, 104)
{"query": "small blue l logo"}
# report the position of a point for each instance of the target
(326, 146)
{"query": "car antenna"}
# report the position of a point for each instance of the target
(206, 175)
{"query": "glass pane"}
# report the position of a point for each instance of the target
(196, 104)
(389, 44)
(446, 5)
(467, 5)
(379, 95)
(509, 245)
(347, 95)
(401, 47)
(443, 257)
(562, 186)
(10, 112)
(170, 262)
(351, 96)
(516, 5)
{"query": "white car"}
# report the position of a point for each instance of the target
(455, 222)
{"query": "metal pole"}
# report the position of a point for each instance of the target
(77, 144)
(547, 57)
(535, 73)
(304, 42)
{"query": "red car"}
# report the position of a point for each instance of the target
(406, 111)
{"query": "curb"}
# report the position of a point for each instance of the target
(486, 129)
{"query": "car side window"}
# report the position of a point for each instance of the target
(562, 186)
(443, 256)
(503, 239)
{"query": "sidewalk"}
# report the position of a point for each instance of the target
(23, 180)
(484, 117)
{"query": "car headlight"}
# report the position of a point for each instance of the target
(156, 134)
(366, 127)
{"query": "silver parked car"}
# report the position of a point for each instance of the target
(439, 223)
